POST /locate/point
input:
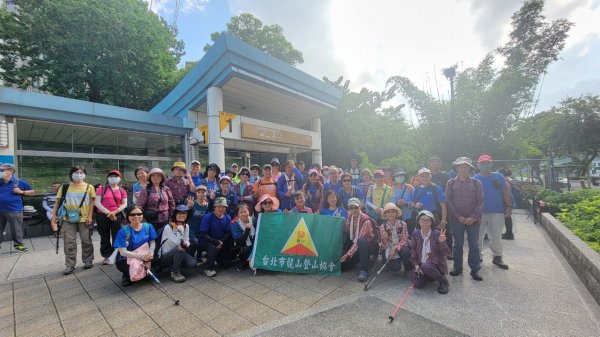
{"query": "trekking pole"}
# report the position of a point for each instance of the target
(57, 238)
(391, 318)
(165, 291)
(374, 277)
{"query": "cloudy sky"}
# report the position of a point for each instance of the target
(369, 41)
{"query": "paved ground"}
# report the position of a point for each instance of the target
(538, 296)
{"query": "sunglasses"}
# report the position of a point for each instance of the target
(268, 202)
(352, 207)
(244, 174)
(136, 214)
(347, 180)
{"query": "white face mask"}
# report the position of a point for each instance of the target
(2, 175)
(78, 176)
(399, 179)
(114, 180)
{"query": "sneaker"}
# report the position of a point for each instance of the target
(508, 236)
(106, 261)
(449, 257)
(125, 281)
(455, 272)
(68, 271)
(443, 288)
(498, 261)
(177, 277)
(88, 265)
(21, 248)
(476, 276)
(210, 272)
(363, 275)
(242, 267)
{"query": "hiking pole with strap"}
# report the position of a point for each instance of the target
(377, 274)
(391, 318)
(165, 291)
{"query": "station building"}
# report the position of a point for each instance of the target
(238, 104)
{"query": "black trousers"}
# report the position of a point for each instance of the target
(176, 259)
(108, 230)
(361, 257)
(220, 255)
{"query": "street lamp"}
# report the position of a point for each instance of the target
(450, 73)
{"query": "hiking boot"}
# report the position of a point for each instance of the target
(106, 261)
(88, 265)
(498, 261)
(155, 269)
(210, 272)
(363, 275)
(455, 272)
(21, 248)
(449, 257)
(443, 288)
(476, 276)
(242, 266)
(125, 281)
(68, 271)
(177, 277)
(508, 236)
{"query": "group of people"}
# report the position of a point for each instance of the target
(205, 217)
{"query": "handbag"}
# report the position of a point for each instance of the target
(151, 214)
(74, 215)
(138, 269)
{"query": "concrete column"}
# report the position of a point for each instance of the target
(216, 145)
(317, 155)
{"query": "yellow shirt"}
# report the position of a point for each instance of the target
(377, 195)
(73, 199)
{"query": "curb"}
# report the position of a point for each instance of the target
(583, 259)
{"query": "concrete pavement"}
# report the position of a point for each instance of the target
(538, 296)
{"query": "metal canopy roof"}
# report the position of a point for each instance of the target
(254, 84)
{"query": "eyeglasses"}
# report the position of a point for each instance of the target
(347, 180)
(136, 214)
(352, 207)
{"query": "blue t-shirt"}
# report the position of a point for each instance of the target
(337, 187)
(9, 201)
(136, 238)
(215, 227)
(338, 212)
(356, 193)
(493, 189)
(198, 212)
(211, 185)
(197, 179)
(425, 195)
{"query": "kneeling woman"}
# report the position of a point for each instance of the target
(135, 241)
(428, 251)
(174, 243)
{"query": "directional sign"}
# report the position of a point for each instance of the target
(204, 131)
(230, 125)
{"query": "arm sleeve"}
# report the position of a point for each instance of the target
(299, 177)
(99, 206)
(45, 204)
(280, 186)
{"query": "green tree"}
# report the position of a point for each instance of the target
(111, 51)
(490, 101)
(269, 39)
(577, 134)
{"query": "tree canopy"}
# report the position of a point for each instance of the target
(269, 39)
(112, 51)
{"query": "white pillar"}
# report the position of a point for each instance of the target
(216, 145)
(317, 155)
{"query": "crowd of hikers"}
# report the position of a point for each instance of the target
(206, 218)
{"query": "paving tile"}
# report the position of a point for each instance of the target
(222, 324)
(209, 312)
(22, 316)
(255, 290)
(251, 309)
(103, 291)
(6, 299)
(79, 321)
(36, 324)
(77, 309)
(271, 299)
(181, 325)
(136, 328)
(202, 331)
(290, 306)
(158, 305)
(169, 315)
(52, 330)
(96, 329)
(214, 290)
(28, 282)
(243, 327)
(118, 306)
(270, 281)
(156, 333)
(5, 311)
(121, 318)
(266, 317)
(147, 295)
(32, 303)
(8, 331)
(76, 290)
(102, 302)
(234, 300)
(299, 293)
(71, 301)
(31, 294)
(6, 321)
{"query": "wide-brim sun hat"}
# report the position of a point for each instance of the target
(391, 207)
(157, 170)
(423, 170)
(180, 165)
(258, 206)
(463, 160)
(212, 166)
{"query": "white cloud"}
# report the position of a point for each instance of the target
(168, 6)
(369, 41)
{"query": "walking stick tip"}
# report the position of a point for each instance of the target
(177, 302)
(390, 319)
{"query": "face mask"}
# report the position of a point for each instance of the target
(2, 175)
(326, 173)
(114, 180)
(484, 167)
(400, 179)
(78, 176)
